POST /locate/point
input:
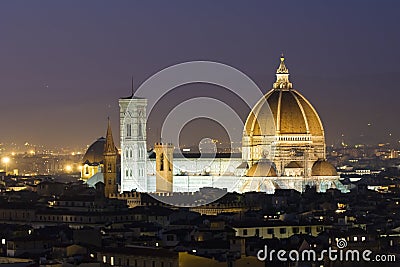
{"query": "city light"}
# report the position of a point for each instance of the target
(68, 168)
(5, 160)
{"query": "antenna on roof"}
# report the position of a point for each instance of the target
(132, 85)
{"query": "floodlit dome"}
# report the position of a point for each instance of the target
(261, 169)
(284, 127)
(291, 114)
(94, 154)
(323, 168)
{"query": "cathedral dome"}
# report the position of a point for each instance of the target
(94, 154)
(323, 168)
(283, 110)
(263, 168)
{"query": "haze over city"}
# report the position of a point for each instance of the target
(65, 64)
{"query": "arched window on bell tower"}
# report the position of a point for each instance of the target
(128, 130)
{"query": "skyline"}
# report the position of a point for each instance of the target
(64, 65)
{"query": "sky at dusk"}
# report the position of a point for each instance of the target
(64, 64)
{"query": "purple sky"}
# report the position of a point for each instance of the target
(64, 64)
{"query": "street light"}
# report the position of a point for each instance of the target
(6, 160)
(68, 168)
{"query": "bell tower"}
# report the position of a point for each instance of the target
(164, 167)
(110, 164)
(133, 143)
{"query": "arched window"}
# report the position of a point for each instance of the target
(128, 130)
(140, 131)
(162, 162)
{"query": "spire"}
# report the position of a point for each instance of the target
(282, 76)
(132, 86)
(282, 68)
(109, 146)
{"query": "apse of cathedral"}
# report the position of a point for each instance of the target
(283, 147)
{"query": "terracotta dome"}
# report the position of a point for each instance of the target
(263, 168)
(323, 168)
(94, 154)
(283, 110)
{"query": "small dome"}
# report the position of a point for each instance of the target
(263, 168)
(323, 168)
(94, 154)
(294, 164)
